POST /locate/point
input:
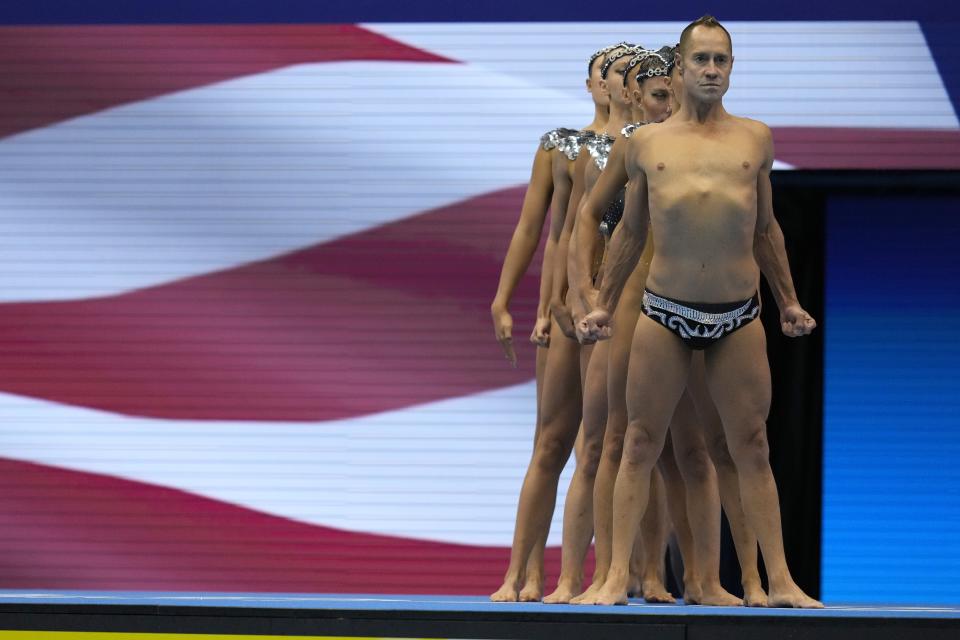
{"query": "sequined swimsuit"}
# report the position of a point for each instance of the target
(599, 148)
(566, 141)
(614, 213)
(700, 325)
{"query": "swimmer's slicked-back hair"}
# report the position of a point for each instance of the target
(703, 21)
(668, 53)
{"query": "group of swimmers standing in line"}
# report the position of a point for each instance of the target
(650, 364)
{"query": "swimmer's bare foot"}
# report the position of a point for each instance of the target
(613, 591)
(788, 594)
(566, 591)
(508, 592)
(692, 593)
(532, 590)
(714, 595)
(754, 595)
(590, 593)
(655, 592)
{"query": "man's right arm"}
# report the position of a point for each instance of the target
(627, 244)
(623, 254)
(583, 239)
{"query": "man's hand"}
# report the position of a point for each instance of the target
(594, 326)
(564, 320)
(503, 329)
(541, 331)
(580, 306)
(794, 321)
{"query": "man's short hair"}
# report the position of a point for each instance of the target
(702, 21)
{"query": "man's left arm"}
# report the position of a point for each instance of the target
(771, 253)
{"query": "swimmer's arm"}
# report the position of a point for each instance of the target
(768, 244)
(583, 241)
(523, 244)
(564, 213)
(560, 278)
(627, 243)
(526, 235)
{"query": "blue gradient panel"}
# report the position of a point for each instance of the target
(891, 503)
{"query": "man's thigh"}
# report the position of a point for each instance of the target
(659, 364)
(738, 376)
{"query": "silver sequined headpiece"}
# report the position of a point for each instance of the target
(669, 54)
(634, 62)
(602, 52)
(655, 70)
(626, 50)
(651, 71)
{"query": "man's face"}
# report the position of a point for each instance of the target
(706, 64)
(594, 85)
(655, 99)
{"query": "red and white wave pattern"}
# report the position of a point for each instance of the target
(244, 340)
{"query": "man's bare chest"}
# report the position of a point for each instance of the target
(733, 160)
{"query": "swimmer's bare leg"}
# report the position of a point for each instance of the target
(560, 417)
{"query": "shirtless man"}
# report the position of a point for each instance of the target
(693, 434)
(690, 478)
(702, 179)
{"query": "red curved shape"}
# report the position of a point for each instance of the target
(49, 74)
(68, 530)
(863, 148)
(385, 319)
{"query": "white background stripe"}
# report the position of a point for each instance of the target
(243, 170)
(819, 74)
(448, 471)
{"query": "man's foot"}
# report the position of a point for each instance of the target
(532, 590)
(566, 591)
(717, 596)
(754, 595)
(508, 592)
(655, 592)
(790, 595)
(590, 593)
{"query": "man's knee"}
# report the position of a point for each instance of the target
(750, 448)
(695, 464)
(720, 452)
